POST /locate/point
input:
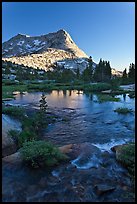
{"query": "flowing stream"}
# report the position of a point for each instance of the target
(93, 128)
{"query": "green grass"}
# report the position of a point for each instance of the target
(105, 98)
(14, 111)
(7, 91)
(41, 153)
(97, 87)
(126, 156)
(123, 110)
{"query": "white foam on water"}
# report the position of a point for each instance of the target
(93, 161)
(109, 145)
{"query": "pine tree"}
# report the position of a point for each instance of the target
(131, 73)
(124, 76)
(43, 103)
(87, 74)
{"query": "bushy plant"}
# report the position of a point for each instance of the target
(17, 112)
(21, 137)
(123, 110)
(104, 98)
(14, 134)
(126, 155)
(41, 153)
(97, 87)
(26, 136)
(132, 95)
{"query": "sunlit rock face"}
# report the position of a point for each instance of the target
(44, 51)
(21, 45)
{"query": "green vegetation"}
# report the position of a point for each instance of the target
(26, 136)
(132, 95)
(31, 126)
(7, 90)
(104, 98)
(131, 73)
(31, 129)
(21, 137)
(14, 134)
(102, 72)
(126, 156)
(129, 78)
(97, 87)
(43, 104)
(123, 110)
(41, 153)
(87, 74)
(14, 111)
(9, 82)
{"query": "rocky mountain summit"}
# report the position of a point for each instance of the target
(45, 50)
(21, 45)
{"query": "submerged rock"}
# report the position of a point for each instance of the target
(103, 188)
(89, 156)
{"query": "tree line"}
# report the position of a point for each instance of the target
(100, 73)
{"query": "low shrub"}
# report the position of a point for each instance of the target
(9, 82)
(126, 156)
(14, 134)
(41, 153)
(131, 95)
(97, 87)
(26, 136)
(123, 110)
(14, 111)
(105, 98)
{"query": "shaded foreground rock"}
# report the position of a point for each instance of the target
(8, 145)
(13, 158)
(68, 182)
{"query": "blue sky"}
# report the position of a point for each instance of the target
(101, 29)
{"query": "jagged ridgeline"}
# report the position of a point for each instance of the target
(44, 51)
(47, 52)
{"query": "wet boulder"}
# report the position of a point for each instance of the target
(89, 156)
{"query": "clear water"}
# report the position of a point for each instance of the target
(87, 121)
